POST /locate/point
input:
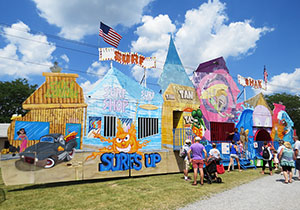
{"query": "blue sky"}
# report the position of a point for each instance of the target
(248, 34)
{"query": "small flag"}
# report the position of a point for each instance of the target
(265, 74)
(109, 35)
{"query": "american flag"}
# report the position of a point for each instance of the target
(109, 35)
(265, 74)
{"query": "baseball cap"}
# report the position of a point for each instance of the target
(187, 141)
(197, 138)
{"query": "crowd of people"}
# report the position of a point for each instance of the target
(284, 158)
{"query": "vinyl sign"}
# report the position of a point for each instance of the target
(257, 84)
(126, 58)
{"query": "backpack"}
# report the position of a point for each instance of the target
(182, 152)
(266, 154)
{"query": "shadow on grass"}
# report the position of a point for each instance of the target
(88, 181)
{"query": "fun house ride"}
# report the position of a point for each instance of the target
(121, 128)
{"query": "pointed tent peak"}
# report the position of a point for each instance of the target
(212, 65)
(258, 99)
(172, 57)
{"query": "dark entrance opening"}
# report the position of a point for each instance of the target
(219, 131)
(262, 135)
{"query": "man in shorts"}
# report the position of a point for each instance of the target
(297, 154)
(197, 160)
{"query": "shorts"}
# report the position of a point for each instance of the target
(298, 164)
(234, 156)
(197, 163)
(287, 168)
(186, 164)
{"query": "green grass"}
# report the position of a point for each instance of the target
(152, 192)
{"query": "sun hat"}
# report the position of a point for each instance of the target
(287, 145)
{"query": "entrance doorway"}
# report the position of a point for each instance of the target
(177, 119)
(262, 135)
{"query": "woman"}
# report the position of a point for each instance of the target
(233, 154)
(22, 136)
(267, 158)
(286, 157)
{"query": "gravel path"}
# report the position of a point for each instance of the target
(266, 193)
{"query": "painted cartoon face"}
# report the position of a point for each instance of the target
(125, 140)
(221, 103)
(123, 143)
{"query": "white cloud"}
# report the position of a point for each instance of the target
(153, 34)
(24, 50)
(65, 58)
(96, 69)
(284, 82)
(204, 35)
(78, 18)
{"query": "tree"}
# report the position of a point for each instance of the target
(291, 103)
(12, 95)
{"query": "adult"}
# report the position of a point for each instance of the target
(197, 160)
(286, 157)
(236, 135)
(297, 154)
(233, 155)
(267, 158)
(281, 146)
(186, 162)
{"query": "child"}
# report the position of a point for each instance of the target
(276, 161)
(240, 149)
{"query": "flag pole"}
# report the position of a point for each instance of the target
(145, 77)
(244, 94)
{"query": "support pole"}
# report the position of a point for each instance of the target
(145, 83)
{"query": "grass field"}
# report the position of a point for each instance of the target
(151, 192)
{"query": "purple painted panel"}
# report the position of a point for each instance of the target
(212, 65)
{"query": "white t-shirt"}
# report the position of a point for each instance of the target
(297, 147)
(280, 148)
(214, 152)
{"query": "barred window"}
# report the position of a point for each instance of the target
(147, 127)
(109, 126)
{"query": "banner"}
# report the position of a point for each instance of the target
(126, 58)
(257, 84)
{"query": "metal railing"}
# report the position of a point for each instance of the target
(180, 135)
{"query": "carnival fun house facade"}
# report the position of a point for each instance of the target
(121, 128)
